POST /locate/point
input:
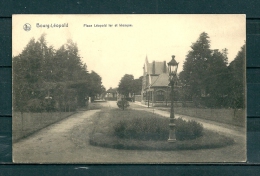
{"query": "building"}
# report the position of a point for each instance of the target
(155, 85)
(111, 94)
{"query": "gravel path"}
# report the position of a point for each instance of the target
(67, 142)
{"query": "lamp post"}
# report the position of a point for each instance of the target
(172, 68)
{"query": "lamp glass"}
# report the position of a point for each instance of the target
(173, 69)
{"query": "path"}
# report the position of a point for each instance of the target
(59, 143)
(208, 124)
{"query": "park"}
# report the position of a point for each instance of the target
(62, 113)
(83, 138)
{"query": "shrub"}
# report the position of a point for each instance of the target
(141, 130)
(35, 105)
(48, 105)
(44, 105)
(119, 129)
(187, 130)
(122, 104)
(155, 128)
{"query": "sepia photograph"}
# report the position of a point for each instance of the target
(129, 89)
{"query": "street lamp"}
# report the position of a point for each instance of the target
(172, 68)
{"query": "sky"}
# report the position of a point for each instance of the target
(114, 51)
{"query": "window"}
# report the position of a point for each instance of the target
(160, 95)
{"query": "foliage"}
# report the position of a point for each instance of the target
(206, 76)
(237, 80)
(187, 130)
(154, 128)
(34, 105)
(129, 85)
(96, 85)
(194, 66)
(137, 85)
(41, 73)
(125, 85)
(123, 104)
(208, 141)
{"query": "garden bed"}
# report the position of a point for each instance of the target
(105, 135)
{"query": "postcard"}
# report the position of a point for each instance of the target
(134, 89)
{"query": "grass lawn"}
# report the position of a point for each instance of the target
(218, 115)
(103, 133)
(96, 105)
(29, 123)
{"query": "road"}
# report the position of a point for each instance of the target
(67, 142)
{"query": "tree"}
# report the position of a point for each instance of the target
(216, 81)
(103, 92)
(237, 80)
(46, 79)
(194, 67)
(137, 85)
(125, 86)
(204, 72)
(28, 68)
(21, 93)
(95, 87)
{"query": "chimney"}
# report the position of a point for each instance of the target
(164, 66)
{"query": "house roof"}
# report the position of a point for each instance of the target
(161, 81)
(155, 67)
(153, 79)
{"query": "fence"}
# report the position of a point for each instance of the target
(28, 123)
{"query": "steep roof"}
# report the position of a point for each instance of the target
(153, 79)
(161, 81)
(159, 67)
(155, 67)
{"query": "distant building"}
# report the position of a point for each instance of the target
(111, 94)
(155, 85)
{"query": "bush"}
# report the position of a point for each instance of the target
(48, 105)
(141, 130)
(123, 104)
(187, 130)
(35, 105)
(156, 129)
(119, 129)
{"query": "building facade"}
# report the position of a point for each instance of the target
(155, 85)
